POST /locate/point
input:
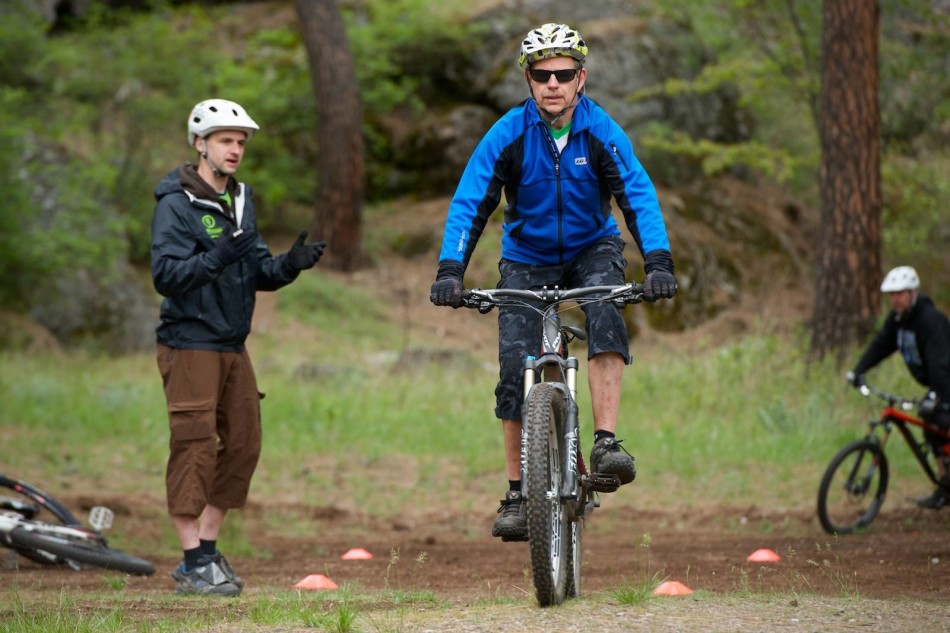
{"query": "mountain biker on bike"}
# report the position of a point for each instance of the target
(208, 261)
(921, 333)
(558, 158)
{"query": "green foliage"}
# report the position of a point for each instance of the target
(716, 158)
(767, 51)
(914, 218)
(404, 47)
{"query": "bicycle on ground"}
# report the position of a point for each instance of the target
(39, 527)
(558, 490)
(853, 487)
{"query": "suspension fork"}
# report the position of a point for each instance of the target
(571, 433)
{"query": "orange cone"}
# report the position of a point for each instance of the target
(764, 556)
(672, 588)
(357, 553)
(316, 581)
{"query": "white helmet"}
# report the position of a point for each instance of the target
(901, 278)
(551, 40)
(218, 114)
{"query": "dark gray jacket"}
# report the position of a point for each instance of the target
(206, 306)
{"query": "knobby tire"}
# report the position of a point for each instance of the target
(86, 551)
(23, 491)
(853, 488)
(575, 531)
(549, 532)
(40, 498)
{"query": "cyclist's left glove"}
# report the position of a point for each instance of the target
(304, 256)
(447, 289)
(659, 282)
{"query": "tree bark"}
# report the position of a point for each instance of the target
(847, 299)
(339, 169)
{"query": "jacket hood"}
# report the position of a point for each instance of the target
(171, 183)
(186, 178)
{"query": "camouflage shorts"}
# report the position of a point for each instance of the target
(602, 263)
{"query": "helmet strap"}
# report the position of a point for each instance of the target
(204, 154)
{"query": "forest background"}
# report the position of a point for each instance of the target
(719, 98)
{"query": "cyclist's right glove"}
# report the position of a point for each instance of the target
(855, 379)
(447, 289)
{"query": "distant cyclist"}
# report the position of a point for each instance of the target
(921, 333)
(558, 158)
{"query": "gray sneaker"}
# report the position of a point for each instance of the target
(512, 523)
(225, 566)
(207, 579)
(608, 457)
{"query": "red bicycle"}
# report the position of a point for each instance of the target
(854, 485)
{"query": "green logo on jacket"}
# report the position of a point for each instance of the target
(213, 231)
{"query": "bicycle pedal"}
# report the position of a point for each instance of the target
(100, 518)
(515, 539)
(603, 483)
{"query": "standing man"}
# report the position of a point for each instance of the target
(921, 333)
(208, 261)
(558, 158)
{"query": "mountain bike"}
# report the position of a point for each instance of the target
(42, 529)
(853, 487)
(558, 491)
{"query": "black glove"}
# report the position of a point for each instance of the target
(232, 246)
(447, 289)
(659, 284)
(303, 256)
(855, 379)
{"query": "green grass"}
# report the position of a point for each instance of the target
(710, 425)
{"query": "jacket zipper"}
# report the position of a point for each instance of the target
(556, 155)
(618, 155)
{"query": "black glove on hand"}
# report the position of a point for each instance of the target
(659, 284)
(303, 256)
(447, 289)
(230, 248)
(855, 379)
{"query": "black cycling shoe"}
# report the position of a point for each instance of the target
(512, 522)
(609, 458)
(936, 500)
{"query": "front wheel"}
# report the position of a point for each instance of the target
(853, 487)
(89, 551)
(549, 533)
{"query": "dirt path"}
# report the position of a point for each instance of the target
(905, 556)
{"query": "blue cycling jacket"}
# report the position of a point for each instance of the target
(557, 203)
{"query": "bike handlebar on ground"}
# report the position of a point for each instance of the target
(485, 299)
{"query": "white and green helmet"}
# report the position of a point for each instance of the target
(218, 114)
(552, 40)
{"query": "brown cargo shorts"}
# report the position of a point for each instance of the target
(214, 414)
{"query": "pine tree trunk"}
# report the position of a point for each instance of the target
(339, 169)
(847, 299)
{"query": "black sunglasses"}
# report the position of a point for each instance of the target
(544, 76)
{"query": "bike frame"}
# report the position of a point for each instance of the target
(892, 417)
(553, 355)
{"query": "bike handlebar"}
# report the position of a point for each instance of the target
(902, 402)
(481, 298)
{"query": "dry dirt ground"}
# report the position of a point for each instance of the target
(903, 560)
